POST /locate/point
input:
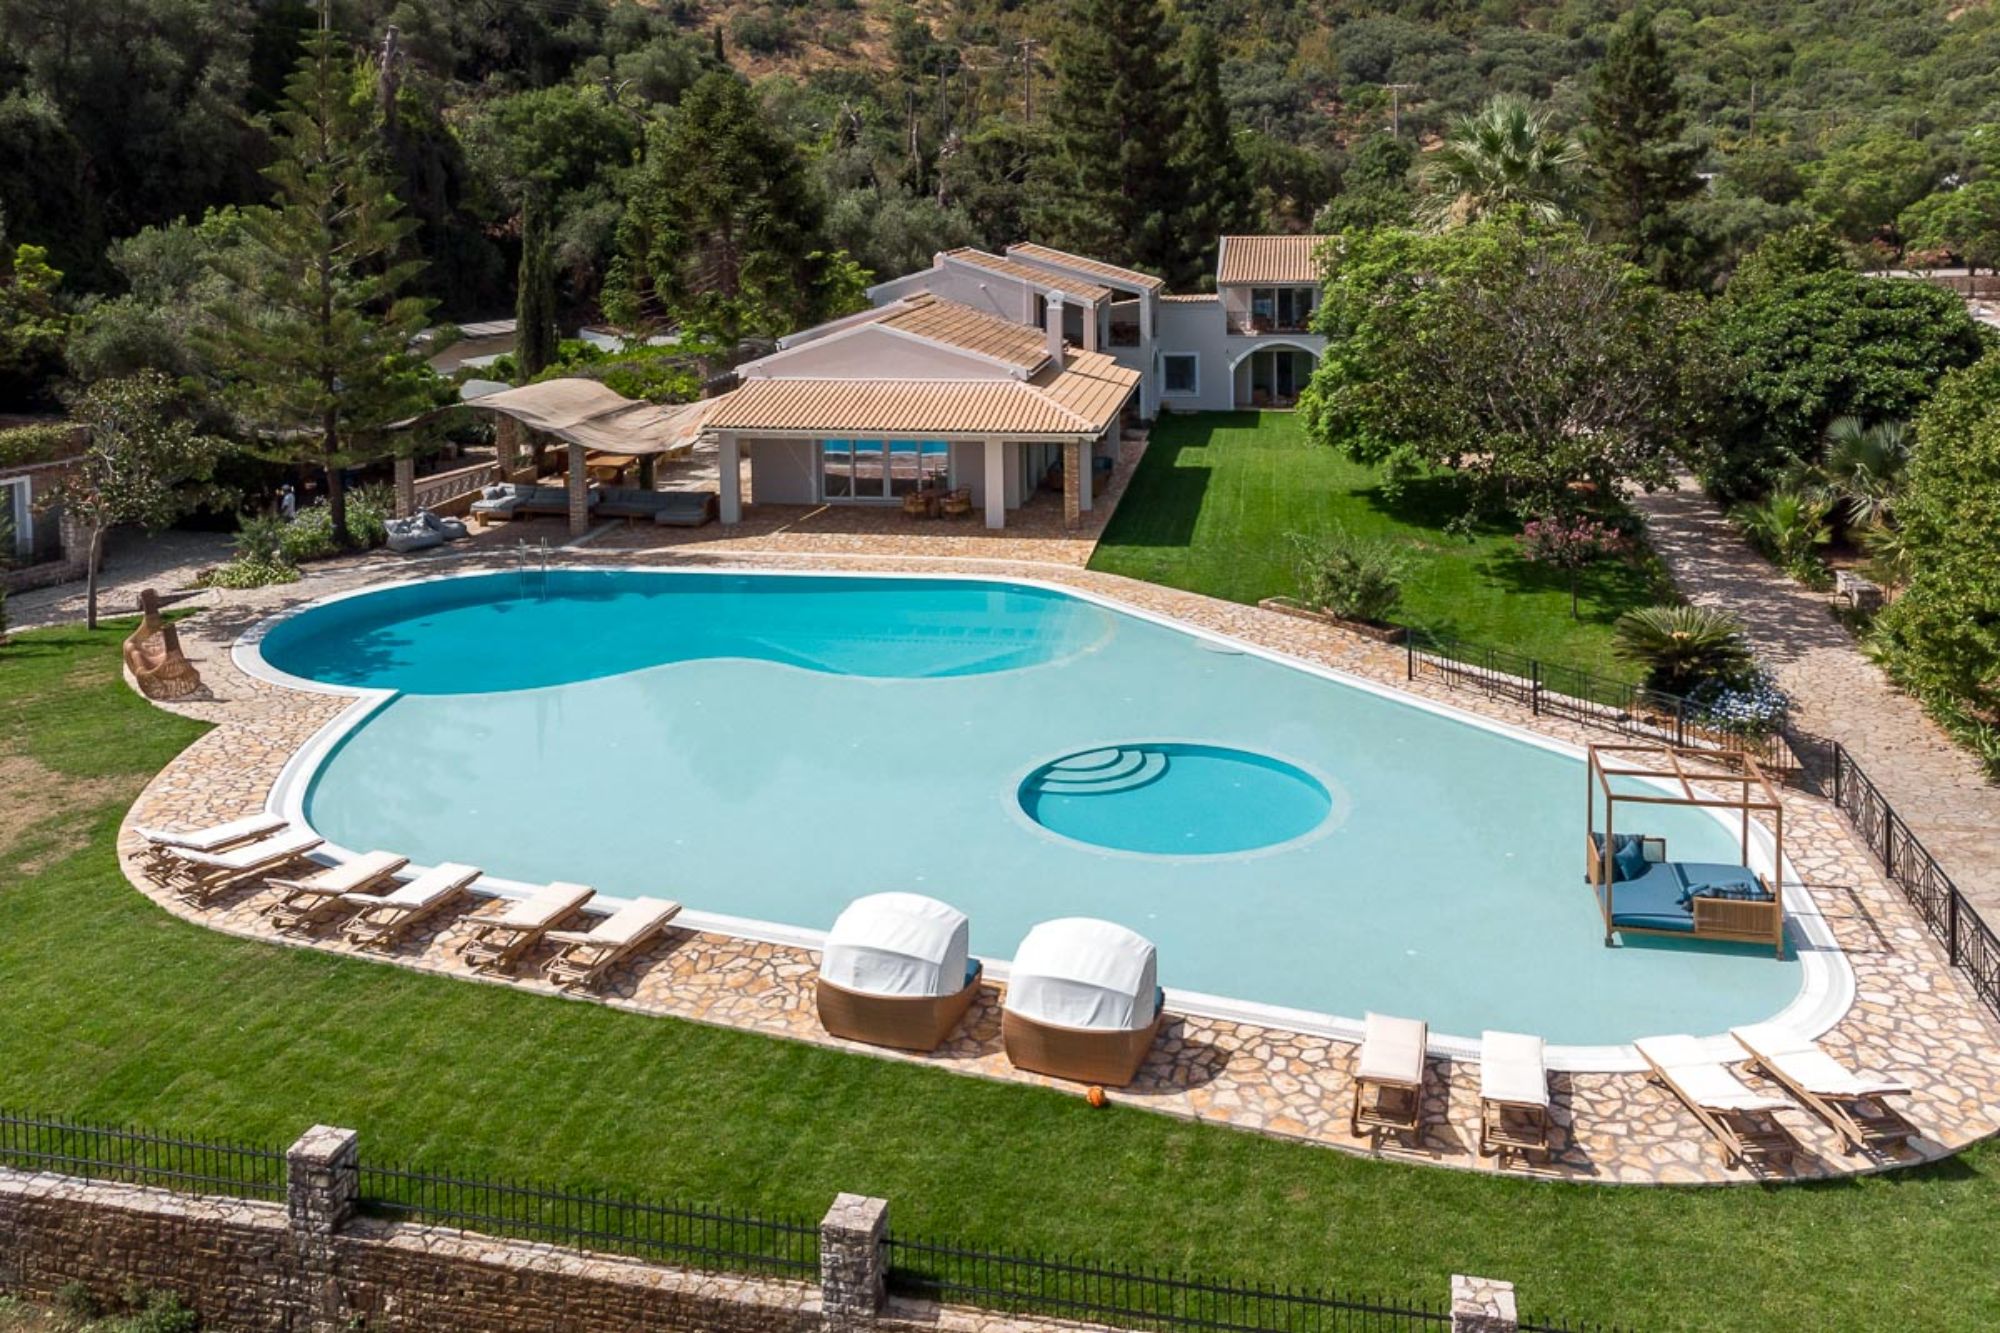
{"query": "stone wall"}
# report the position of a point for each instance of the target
(309, 1264)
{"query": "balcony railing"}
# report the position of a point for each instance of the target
(1250, 325)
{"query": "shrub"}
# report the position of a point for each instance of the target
(1788, 526)
(1571, 545)
(1350, 577)
(310, 535)
(1683, 646)
(1750, 704)
(162, 1313)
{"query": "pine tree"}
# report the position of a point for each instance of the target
(535, 333)
(314, 341)
(1641, 164)
(1220, 197)
(1114, 189)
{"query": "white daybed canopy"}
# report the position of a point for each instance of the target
(897, 944)
(1082, 973)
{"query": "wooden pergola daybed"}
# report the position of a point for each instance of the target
(1639, 890)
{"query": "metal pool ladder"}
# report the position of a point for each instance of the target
(527, 570)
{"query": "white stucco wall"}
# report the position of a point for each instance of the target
(783, 471)
(863, 352)
(993, 293)
(1197, 327)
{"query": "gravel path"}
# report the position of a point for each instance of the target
(133, 561)
(1837, 692)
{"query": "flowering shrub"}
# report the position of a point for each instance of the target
(1749, 705)
(1571, 545)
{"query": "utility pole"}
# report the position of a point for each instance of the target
(1027, 47)
(1396, 91)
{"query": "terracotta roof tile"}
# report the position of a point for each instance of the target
(1269, 259)
(1043, 254)
(1040, 277)
(955, 325)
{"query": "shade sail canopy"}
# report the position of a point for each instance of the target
(596, 416)
(1081, 973)
(897, 944)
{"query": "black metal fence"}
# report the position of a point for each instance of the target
(140, 1157)
(682, 1234)
(1969, 941)
(1153, 1300)
(1550, 689)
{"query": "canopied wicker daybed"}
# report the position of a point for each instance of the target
(894, 972)
(1639, 889)
(1083, 1001)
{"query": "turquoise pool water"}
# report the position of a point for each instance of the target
(770, 747)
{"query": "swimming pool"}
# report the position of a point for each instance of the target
(767, 747)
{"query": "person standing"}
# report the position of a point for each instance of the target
(288, 503)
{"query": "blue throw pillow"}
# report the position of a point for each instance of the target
(1629, 860)
(1737, 891)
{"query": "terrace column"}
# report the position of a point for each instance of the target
(853, 1277)
(1075, 463)
(996, 484)
(507, 446)
(1482, 1305)
(1087, 478)
(406, 487)
(732, 478)
(1149, 378)
(322, 1188)
(578, 490)
(1093, 313)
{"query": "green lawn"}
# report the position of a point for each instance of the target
(1217, 493)
(117, 1011)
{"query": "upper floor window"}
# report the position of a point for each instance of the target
(1180, 373)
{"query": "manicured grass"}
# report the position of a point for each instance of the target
(117, 1011)
(1217, 493)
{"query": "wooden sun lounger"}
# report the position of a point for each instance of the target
(384, 920)
(1854, 1105)
(1743, 1122)
(588, 954)
(214, 838)
(316, 897)
(497, 942)
(201, 876)
(1391, 1064)
(1513, 1093)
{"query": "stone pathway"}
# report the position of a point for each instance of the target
(1912, 1017)
(133, 560)
(1838, 693)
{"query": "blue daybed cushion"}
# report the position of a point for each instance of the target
(1655, 900)
(1708, 880)
(1630, 861)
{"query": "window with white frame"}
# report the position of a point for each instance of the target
(1180, 373)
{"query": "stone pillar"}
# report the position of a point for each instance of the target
(1075, 460)
(322, 1186)
(1482, 1305)
(578, 488)
(507, 444)
(1086, 480)
(406, 487)
(649, 471)
(1149, 380)
(1091, 314)
(731, 465)
(996, 484)
(853, 1275)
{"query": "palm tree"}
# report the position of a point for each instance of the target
(1506, 155)
(1863, 469)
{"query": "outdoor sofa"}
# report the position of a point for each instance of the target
(676, 509)
(507, 499)
(1082, 1002)
(421, 531)
(1707, 899)
(895, 972)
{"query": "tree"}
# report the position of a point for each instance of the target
(314, 340)
(535, 332)
(1116, 192)
(1867, 179)
(1572, 545)
(33, 324)
(1641, 163)
(1942, 634)
(1220, 198)
(1805, 339)
(1543, 369)
(1506, 156)
(1964, 222)
(146, 463)
(164, 317)
(722, 234)
(1374, 189)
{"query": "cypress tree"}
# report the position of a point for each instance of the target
(1643, 166)
(1115, 188)
(1220, 198)
(535, 333)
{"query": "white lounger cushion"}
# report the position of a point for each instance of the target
(1392, 1050)
(1804, 1063)
(1705, 1080)
(550, 903)
(295, 842)
(214, 836)
(1512, 1069)
(1079, 972)
(435, 883)
(897, 944)
(351, 875)
(621, 927)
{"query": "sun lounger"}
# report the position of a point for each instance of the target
(316, 897)
(384, 920)
(214, 838)
(498, 942)
(1743, 1122)
(1391, 1064)
(1513, 1093)
(1852, 1104)
(588, 954)
(200, 876)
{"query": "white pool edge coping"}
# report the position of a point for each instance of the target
(1827, 990)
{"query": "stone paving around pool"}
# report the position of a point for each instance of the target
(1913, 1017)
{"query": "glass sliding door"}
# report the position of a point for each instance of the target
(859, 471)
(836, 469)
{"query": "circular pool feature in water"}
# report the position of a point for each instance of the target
(1173, 799)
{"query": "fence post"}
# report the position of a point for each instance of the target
(1482, 1305)
(322, 1188)
(853, 1273)
(1410, 653)
(1951, 926)
(1535, 686)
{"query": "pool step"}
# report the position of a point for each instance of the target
(1135, 769)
